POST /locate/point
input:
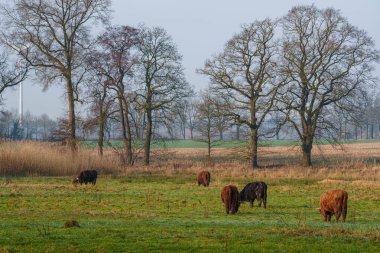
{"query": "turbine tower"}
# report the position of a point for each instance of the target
(21, 97)
(20, 106)
(18, 65)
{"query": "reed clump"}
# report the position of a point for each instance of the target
(46, 159)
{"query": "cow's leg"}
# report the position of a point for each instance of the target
(325, 216)
(233, 209)
(227, 206)
(337, 215)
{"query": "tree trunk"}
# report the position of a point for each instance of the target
(129, 133)
(125, 130)
(71, 114)
(221, 135)
(148, 136)
(209, 149)
(237, 132)
(356, 132)
(254, 139)
(191, 133)
(345, 130)
(367, 132)
(307, 145)
(102, 120)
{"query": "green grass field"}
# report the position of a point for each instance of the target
(155, 213)
(219, 144)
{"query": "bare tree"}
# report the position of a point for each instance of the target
(46, 126)
(6, 123)
(243, 75)
(52, 37)
(180, 118)
(207, 121)
(100, 99)
(191, 114)
(163, 84)
(114, 62)
(328, 62)
(222, 121)
(11, 76)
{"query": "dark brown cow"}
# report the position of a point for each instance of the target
(86, 176)
(333, 202)
(255, 190)
(204, 178)
(230, 198)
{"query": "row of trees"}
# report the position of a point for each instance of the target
(300, 71)
(140, 69)
(316, 65)
(33, 128)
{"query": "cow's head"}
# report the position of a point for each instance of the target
(76, 180)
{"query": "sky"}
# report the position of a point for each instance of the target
(200, 28)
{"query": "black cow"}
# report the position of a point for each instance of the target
(255, 190)
(86, 176)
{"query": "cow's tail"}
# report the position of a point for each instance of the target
(208, 178)
(344, 206)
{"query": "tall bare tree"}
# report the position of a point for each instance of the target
(114, 61)
(163, 84)
(243, 75)
(51, 36)
(328, 62)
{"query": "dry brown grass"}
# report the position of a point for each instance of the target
(35, 158)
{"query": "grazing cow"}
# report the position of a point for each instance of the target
(230, 198)
(86, 176)
(333, 202)
(255, 190)
(204, 178)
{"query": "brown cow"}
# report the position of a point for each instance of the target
(333, 202)
(230, 198)
(204, 178)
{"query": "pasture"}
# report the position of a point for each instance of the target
(161, 208)
(159, 213)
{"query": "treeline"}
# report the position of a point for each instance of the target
(307, 74)
(31, 128)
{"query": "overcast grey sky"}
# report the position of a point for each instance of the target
(199, 28)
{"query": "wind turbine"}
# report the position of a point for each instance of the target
(21, 98)
(21, 94)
